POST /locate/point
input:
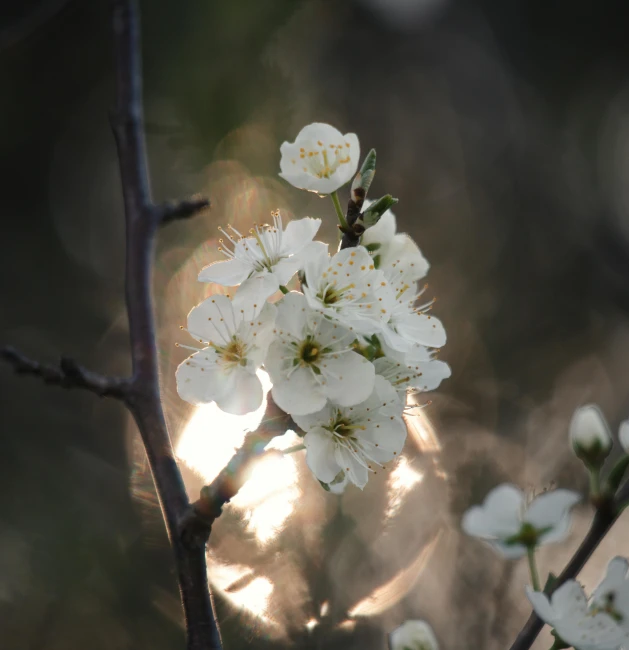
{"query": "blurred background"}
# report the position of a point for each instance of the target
(503, 128)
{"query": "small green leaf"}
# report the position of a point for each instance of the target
(325, 486)
(617, 474)
(362, 180)
(372, 248)
(550, 582)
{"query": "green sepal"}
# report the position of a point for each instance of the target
(616, 475)
(372, 214)
(325, 486)
(364, 177)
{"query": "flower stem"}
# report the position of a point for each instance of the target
(339, 211)
(530, 553)
(595, 481)
(292, 450)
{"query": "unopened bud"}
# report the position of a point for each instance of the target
(623, 436)
(589, 436)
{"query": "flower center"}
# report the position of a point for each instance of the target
(323, 162)
(309, 352)
(234, 352)
(332, 294)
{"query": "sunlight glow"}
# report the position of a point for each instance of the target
(422, 431)
(211, 435)
(401, 481)
(392, 592)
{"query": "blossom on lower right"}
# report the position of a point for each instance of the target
(413, 635)
(598, 623)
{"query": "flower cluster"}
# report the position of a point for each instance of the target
(342, 348)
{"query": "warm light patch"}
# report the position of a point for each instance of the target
(211, 435)
(401, 481)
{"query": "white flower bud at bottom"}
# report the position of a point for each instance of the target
(414, 635)
(589, 435)
(623, 436)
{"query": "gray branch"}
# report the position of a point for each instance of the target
(68, 374)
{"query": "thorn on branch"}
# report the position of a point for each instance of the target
(173, 211)
(68, 374)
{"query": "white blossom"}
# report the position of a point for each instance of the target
(354, 439)
(623, 436)
(416, 371)
(321, 159)
(600, 624)
(311, 360)
(268, 259)
(414, 635)
(589, 435)
(225, 370)
(348, 289)
(391, 250)
(510, 524)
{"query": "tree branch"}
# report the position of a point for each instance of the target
(69, 374)
(141, 224)
(174, 211)
(605, 517)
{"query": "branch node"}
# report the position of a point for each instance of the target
(176, 210)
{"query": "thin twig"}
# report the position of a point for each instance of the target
(68, 374)
(174, 211)
(604, 519)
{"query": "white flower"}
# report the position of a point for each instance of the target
(264, 261)
(225, 370)
(612, 594)
(623, 436)
(312, 360)
(321, 159)
(416, 371)
(393, 251)
(354, 438)
(509, 524)
(589, 435)
(601, 624)
(348, 289)
(414, 635)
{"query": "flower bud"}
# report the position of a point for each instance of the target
(589, 435)
(414, 634)
(623, 436)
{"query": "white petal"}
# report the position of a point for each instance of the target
(421, 328)
(390, 437)
(430, 375)
(320, 456)
(413, 634)
(356, 472)
(299, 234)
(286, 268)
(382, 232)
(313, 420)
(252, 294)
(299, 394)
(354, 154)
(244, 395)
(569, 600)
(213, 320)
(541, 605)
(623, 436)
(320, 131)
(349, 378)
(498, 517)
(615, 582)
(292, 314)
(549, 508)
(589, 427)
(199, 379)
(228, 273)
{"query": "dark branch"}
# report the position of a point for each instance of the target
(68, 374)
(127, 122)
(604, 519)
(173, 211)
